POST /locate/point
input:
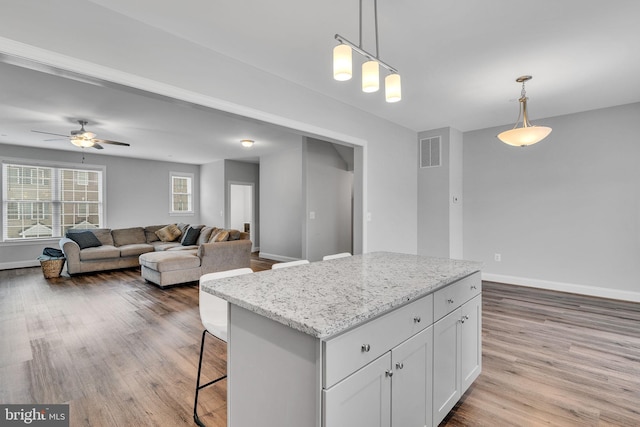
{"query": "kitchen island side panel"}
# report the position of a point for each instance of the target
(274, 373)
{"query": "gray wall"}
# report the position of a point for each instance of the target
(563, 213)
(244, 172)
(440, 204)
(137, 194)
(281, 205)
(212, 194)
(329, 189)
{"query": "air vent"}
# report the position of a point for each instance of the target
(430, 152)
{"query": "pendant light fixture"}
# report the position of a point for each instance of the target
(342, 64)
(528, 134)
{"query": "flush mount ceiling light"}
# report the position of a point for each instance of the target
(82, 142)
(342, 64)
(247, 143)
(528, 134)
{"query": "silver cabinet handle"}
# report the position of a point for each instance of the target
(365, 348)
(388, 373)
(450, 300)
(399, 365)
(473, 287)
(417, 319)
(464, 318)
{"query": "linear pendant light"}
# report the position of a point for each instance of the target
(342, 64)
(528, 134)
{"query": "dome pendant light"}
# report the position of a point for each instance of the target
(528, 134)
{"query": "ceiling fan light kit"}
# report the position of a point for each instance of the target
(342, 64)
(85, 139)
(527, 134)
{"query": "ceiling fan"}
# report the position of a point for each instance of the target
(83, 138)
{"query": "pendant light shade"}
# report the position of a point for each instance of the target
(527, 134)
(342, 62)
(370, 76)
(392, 87)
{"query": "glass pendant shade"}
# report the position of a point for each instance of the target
(342, 62)
(521, 137)
(392, 88)
(370, 76)
(81, 142)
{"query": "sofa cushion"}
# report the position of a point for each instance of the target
(182, 226)
(205, 235)
(220, 236)
(135, 249)
(99, 252)
(183, 248)
(190, 237)
(150, 232)
(170, 261)
(169, 233)
(84, 238)
(234, 234)
(104, 235)
(163, 246)
(128, 236)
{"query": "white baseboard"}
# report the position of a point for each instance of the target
(19, 264)
(593, 291)
(275, 257)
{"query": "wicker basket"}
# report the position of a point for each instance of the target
(52, 268)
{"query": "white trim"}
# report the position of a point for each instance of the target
(275, 257)
(593, 291)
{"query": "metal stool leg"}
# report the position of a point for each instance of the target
(196, 419)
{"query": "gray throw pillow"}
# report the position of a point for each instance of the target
(84, 239)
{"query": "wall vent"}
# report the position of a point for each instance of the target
(430, 152)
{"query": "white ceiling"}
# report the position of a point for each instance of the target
(458, 61)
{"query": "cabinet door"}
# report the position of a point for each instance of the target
(363, 399)
(411, 394)
(471, 342)
(446, 362)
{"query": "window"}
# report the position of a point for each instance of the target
(46, 201)
(181, 193)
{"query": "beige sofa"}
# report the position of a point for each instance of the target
(167, 263)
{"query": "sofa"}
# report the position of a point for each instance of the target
(181, 256)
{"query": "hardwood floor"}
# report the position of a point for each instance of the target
(122, 352)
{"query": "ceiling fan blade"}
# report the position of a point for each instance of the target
(50, 133)
(57, 139)
(98, 146)
(106, 141)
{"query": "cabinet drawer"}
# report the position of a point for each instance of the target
(351, 350)
(449, 298)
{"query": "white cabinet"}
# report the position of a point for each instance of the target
(457, 356)
(393, 390)
(362, 399)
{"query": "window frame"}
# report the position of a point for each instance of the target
(47, 208)
(191, 193)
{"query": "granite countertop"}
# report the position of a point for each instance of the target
(327, 297)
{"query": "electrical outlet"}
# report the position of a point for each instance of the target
(497, 257)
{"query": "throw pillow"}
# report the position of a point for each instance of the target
(84, 239)
(169, 233)
(220, 236)
(234, 234)
(191, 236)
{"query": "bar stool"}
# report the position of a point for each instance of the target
(213, 314)
(289, 264)
(336, 256)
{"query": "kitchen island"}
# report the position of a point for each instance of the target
(325, 344)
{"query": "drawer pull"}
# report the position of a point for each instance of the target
(417, 319)
(473, 287)
(464, 318)
(450, 300)
(365, 348)
(388, 373)
(399, 365)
